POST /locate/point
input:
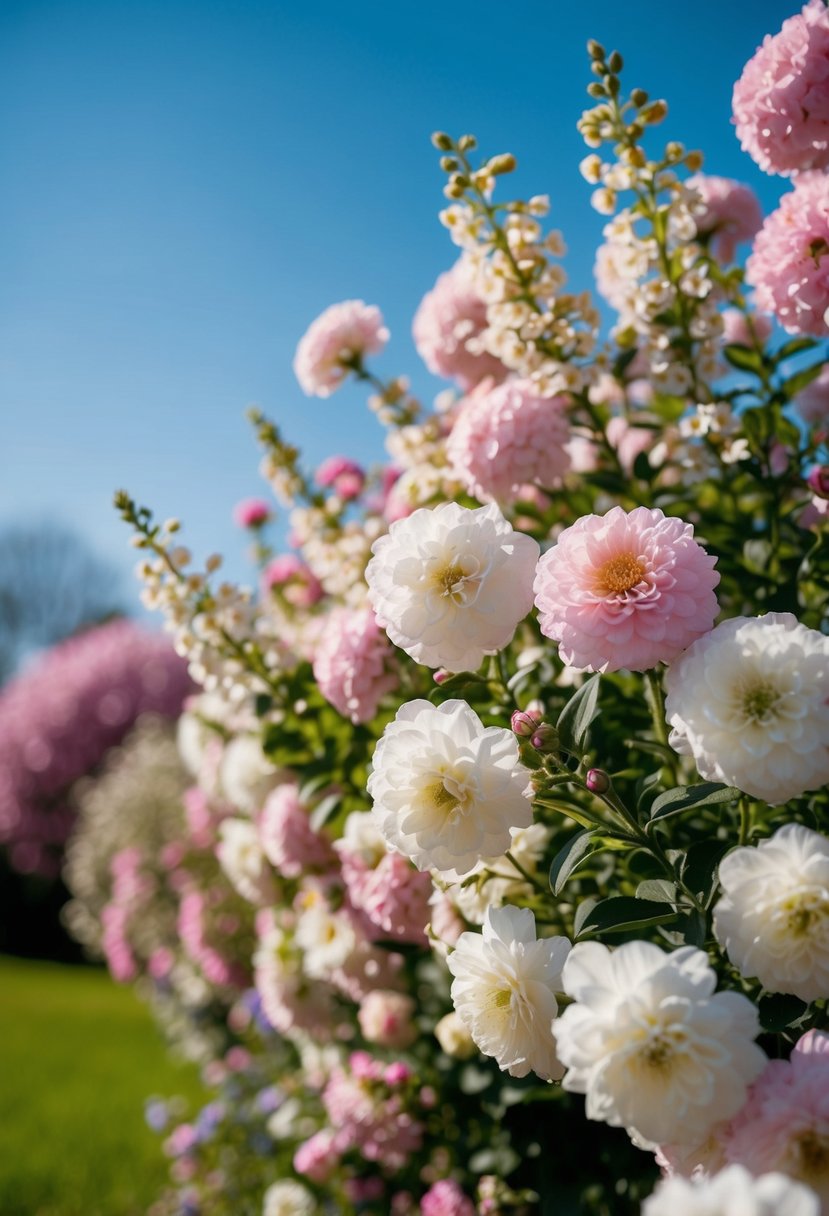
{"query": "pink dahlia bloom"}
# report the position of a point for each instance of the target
(784, 1125)
(338, 339)
(789, 267)
(351, 663)
(728, 213)
(625, 590)
(508, 437)
(318, 1157)
(446, 1198)
(288, 841)
(812, 404)
(781, 101)
(342, 475)
(294, 579)
(392, 896)
(450, 317)
(370, 1116)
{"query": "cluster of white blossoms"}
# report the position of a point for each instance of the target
(450, 585)
(336, 549)
(446, 790)
(419, 451)
(750, 702)
(536, 329)
(773, 917)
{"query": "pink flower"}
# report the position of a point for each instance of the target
(343, 475)
(784, 1124)
(507, 437)
(728, 213)
(812, 402)
(387, 1018)
(318, 1157)
(368, 1117)
(789, 268)
(288, 841)
(298, 584)
(446, 1198)
(629, 441)
(625, 590)
(391, 896)
(781, 101)
(818, 480)
(448, 323)
(736, 327)
(352, 663)
(251, 513)
(336, 342)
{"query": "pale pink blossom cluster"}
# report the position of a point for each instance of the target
(335, 342)
(625, 590)
(294, 579)
(728, 213)
(445, 1198)
(448, 325)
(370, 1106)
(345, 477)
(289, 842)
(506, 437)
(789, 266)
(781, 101)
(354, 663)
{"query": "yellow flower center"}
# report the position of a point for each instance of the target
(459, 579)
(619, 574)
(760, 702)
(813, 1151)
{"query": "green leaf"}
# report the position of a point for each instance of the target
(623, 912)
(744, 358)
(796, 383)
(794, 347)
(574, 720)
(699, 866)
(658, 890)
(779, 1010)
(683, 797)
(568, 858)
(643, 469)
(582, 912)
(324, 810)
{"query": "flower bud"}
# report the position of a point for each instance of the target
(595, 49)
(467, 143)
(448, 164)
(639, 97)
(524, 723)
(655, 112)
(454, 1037)
(817, 481)
(441, 675)
(693, 161)
(615, 62)
(545, 739)
(597, 781)
(505, 163)
(441, 141)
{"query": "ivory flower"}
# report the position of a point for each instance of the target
(504, 991)
(651, 1045)
(450, 585)
(288, 1198)
(773, 917)
(732, 1193)
(749, 701)
(625, 590)
(446, 789)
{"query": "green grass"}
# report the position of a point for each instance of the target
(78, 1056)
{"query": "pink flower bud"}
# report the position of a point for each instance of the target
(524, 723)
(251, 513)
(441, 675)
(597, 781)
(818, 480)
(545, 738)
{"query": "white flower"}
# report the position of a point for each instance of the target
(326, 938)
(454, 1037)
(504, 991)
(750, 702)
(773, 917)
(247, 775)
(651, 1045)
(288, 1198)
(446, 789)
(240, 855)
(527, 846)
(450, 585)
(733, 1192)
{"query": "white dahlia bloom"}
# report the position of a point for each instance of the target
(325, 937)
(773, 917)
(446, 790)
(240, 855)
(750, 702)
(504, 991)
(651, 1045)
(733, 1192)
(288, 1198)
(449, 585)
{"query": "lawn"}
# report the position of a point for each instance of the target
(78, 1056)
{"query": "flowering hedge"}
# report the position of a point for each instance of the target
(518, 760)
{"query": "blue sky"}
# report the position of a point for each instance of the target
(187, 183)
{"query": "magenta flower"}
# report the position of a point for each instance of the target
(789, 267)
(447, 325)
(728, 213)
(508, 437)
(781, 101)
(625, 590)
(61, 715)
(352, 663)
(335, 343)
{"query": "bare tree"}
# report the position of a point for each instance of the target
(51, 585)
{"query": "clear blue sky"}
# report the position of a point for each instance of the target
(187, 183)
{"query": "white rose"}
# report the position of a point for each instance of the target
(733, 1192)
